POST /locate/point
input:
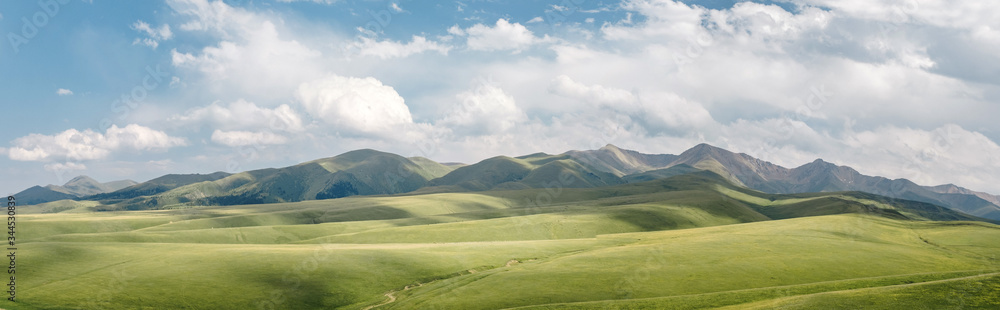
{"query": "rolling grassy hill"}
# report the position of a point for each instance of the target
(688, 241)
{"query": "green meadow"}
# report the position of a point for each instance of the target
(688, 242)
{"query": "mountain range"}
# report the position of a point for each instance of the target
(370, 172)
(77, 187)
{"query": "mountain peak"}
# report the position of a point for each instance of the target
(610, 147)
(818, 165)
(820, 161)
(81, 180)
(704, 149)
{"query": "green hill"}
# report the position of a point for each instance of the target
(538, 170)
(156, 186)
(690, 241)
(361, 172)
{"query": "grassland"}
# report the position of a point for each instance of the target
(689, 242)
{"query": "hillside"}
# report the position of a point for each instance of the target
(689, 241)
(361, 172)
(530, 171)
(37, 194)
(621, 162)
(156, 186)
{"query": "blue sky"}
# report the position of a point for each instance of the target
(138, 89)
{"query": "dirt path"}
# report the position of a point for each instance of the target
(391, 295)
(392, 298)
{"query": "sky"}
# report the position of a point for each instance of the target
(138, 89)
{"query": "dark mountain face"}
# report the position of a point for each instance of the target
(37, 194)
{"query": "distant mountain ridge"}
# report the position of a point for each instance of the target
(621, 162)
(370, 172)
(822, 176)
(77, 187)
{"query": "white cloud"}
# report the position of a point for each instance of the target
(67, 166)
(486, 109)
(392, 49)
(361, 105)
(455, 30)
(154, 35)
(87, 145)
(242, 114)
(565, 86)
(536, 19)
(243, 138)
(176, 82)
(502, 36)
(966, 14)
(147, 42)
(657, 110)
(945, 154)
(665, 19)
(395, 7)
(252, 57)
(64, 92)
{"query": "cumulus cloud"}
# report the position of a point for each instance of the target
(243, 138)
(64, 92)
(77, 145)
(362, 105)
(753, 77)
(392, 49)
(153, 35)
(252, 56)
(242, 114)
(483, 110)
(924, 155)
(502, 36)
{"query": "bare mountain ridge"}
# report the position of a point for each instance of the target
(822, 176)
